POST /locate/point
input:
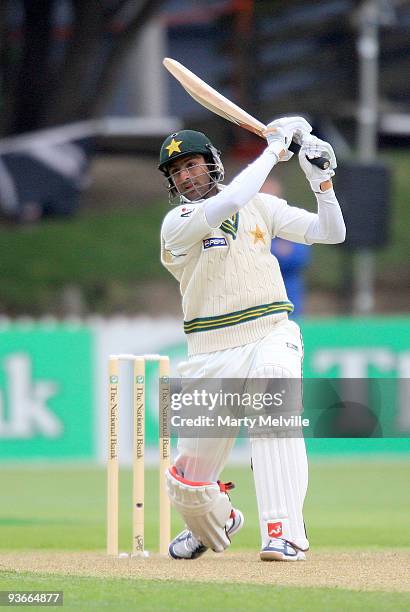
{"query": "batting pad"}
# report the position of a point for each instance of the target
(281, 476)
(204, 506)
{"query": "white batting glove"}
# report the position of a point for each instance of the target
(314, 147)
(293, 127)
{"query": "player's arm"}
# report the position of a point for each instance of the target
(183, 227)
(327, 225)
(186, 225)
(248, 183)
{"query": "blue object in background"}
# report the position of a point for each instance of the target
(293, 258)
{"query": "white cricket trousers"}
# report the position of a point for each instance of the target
(279, 463)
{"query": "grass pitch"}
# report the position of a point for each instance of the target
(52, 534)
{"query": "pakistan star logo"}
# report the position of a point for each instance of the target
(258, 234)
(173, 147)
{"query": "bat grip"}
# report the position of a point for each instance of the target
(321, 162)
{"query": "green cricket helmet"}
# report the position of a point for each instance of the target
(189, 142)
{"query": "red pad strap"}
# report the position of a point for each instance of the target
(226, 486)
(191, 483)
(223, 486)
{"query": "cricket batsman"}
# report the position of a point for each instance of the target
(216, 243)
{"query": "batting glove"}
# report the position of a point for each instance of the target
(293, 128)
(314, 147)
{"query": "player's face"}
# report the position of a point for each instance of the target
(191, 178)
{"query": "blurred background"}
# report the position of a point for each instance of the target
(85, 105)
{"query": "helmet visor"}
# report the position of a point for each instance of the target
(194, 181)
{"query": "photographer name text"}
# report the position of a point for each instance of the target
(178, 421)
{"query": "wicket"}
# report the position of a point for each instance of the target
(138, 488)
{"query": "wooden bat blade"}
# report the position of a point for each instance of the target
(218, 104)
(207, 96)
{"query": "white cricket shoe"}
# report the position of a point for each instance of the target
(279, 549)
(187, 546)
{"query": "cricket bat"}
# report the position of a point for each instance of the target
(211, 99)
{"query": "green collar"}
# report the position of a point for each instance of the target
(230, 226)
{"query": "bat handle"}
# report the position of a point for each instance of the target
(321, 162)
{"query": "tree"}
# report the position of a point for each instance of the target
(56, 69)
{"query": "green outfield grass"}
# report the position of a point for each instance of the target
(360, 505)
(351, 505)
(153, 596)
(108, 254)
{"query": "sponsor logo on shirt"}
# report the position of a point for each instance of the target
(186, 212)
(209, 243)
